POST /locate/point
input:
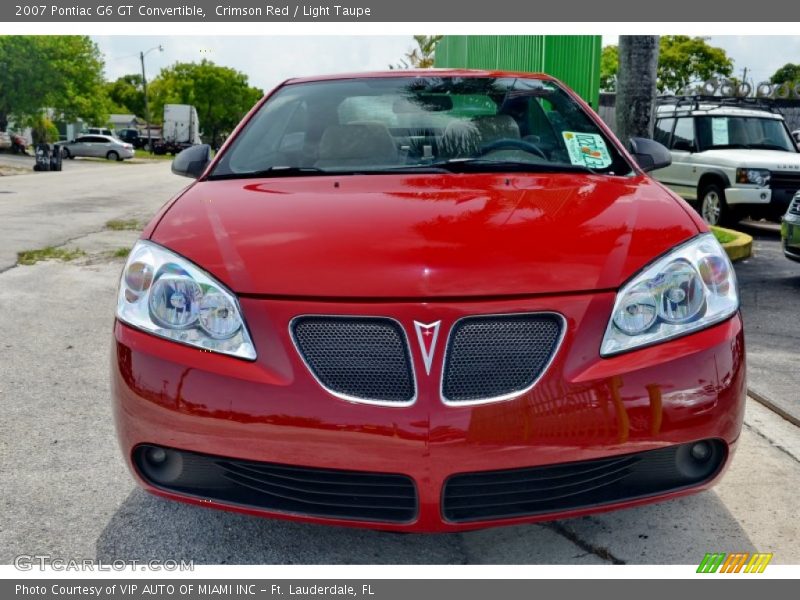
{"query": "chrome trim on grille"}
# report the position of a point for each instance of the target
(346, 397)
(511, 395)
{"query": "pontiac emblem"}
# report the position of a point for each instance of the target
(427, 336)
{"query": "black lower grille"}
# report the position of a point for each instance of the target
(353, 495)
(525, 492)
(490, 357)
(361, 358)
(785, 181)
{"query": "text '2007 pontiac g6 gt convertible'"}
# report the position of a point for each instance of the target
(426, 301)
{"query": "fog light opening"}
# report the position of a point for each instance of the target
(156, 456)
(161, 465)
(698, 460)
(701, 452)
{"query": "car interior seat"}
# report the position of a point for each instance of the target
(496, 127)
(356, 145)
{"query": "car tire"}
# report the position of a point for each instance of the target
(113, 156)
(65, 153)
(714, 208)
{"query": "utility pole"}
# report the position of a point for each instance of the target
(142, 54)
(146, 107)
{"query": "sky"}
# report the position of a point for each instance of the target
(268, 60)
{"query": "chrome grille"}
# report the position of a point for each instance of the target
(359, 358)
(794, 207)
(489, 358)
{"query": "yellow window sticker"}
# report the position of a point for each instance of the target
(587, 149)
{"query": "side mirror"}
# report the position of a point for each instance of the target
(649, 154)
(192, 161)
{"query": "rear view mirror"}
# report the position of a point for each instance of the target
(192, 161)
(649, 154)
(423, 102)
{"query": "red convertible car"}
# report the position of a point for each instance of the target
(426, 301)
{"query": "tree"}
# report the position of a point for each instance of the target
(636, 85)
(684, 60)
(421, 57)
(221, 95)
(63, 73)
(127, 94)
(609, 67)
(788, 73)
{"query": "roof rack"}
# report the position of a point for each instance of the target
(694, 102)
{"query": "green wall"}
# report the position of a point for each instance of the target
(574, 59)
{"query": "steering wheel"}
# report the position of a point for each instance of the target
(511, 144)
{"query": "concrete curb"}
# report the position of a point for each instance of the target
(773, 407)
(740, 248)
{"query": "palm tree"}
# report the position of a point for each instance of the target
(421, 57)
(636, 85)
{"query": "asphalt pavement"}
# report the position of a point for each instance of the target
(50, 208)
(67, 493)
(770, 290)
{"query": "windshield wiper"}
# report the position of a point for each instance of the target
(457, 165)
(730, 147)
(771, 147)
(275, 171)
(453, 165)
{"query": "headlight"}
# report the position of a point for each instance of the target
(690, 288)
(164, 294)
(759, 177)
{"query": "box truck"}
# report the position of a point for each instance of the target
(181, 129)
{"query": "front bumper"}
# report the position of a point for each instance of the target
(583, 409)
(790, 237)
(735, 195)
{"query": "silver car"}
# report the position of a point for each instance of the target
(98, 146)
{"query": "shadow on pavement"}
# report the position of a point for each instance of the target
(769, 286)
(678, 532)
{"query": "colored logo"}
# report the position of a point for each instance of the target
(738, 562)
(427, 336)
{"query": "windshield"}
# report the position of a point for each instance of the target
(743, 132)
(419, 123)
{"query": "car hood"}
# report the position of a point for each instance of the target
(422, 236)
(774, 160)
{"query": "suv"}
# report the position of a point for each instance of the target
(734, 157)
(99, 131)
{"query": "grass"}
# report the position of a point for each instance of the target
(121, 252)
(723, 237)
(140, 153)
(123, 225)
(31, 257)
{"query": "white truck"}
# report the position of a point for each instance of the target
(733, 157)
(181, 129)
